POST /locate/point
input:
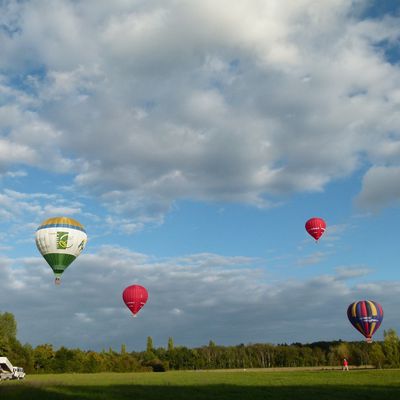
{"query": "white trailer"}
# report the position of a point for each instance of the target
(8, 371)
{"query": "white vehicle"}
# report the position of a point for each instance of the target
(18, 373)
(8, 371)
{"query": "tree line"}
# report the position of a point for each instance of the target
(45, 359)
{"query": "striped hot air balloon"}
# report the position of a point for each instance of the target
(366, 316)
(135, 297)
(60, 240)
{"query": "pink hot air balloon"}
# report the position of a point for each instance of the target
(315, 227)
(135, 297)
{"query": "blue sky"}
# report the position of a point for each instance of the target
(194, 157)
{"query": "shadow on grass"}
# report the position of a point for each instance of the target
(199, 392)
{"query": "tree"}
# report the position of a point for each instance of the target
(9, 345)
(391, 349)
(43, 356)
(359, 353)
(376, 355)
(149, 347)
(94, 362)
(338, 352)
(8, 326)
(170, 344)
(64, 360)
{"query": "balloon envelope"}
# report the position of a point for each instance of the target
(60, 240)
(135, 297)
(315, 227)
(366, 316)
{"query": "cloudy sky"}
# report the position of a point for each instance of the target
(193, 139)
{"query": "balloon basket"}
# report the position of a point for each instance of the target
(369, 340)
(57, 281)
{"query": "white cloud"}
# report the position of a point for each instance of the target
(148, 103)
(16, 174)
(82, 317)
(21, 213)
(36, 205)
(176, 311)
(380, 187)
(352, 272)
(314, 258)
(27, 139)
(211, 298)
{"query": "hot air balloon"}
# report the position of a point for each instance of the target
(315, 227)
(60, 240)
(135, 297)
(366, 316)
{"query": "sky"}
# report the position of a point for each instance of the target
(193, 139)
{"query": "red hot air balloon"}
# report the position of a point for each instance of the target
(135, 297)
(366, 316)
(315, 227)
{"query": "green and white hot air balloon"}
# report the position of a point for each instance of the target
(60, 240)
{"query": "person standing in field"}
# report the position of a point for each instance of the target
(345, 364)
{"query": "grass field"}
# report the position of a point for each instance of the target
(232, 385)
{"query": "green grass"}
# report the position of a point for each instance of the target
(215, 385)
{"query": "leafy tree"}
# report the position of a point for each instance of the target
(376, 355)
(64, 361)
(149, 347)
(44, 359)
(359, 353)
(170, 344)
(94, 362)
(337, 352)
(8, 326)
(391, 348)
(8, 332)
(43, 356)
